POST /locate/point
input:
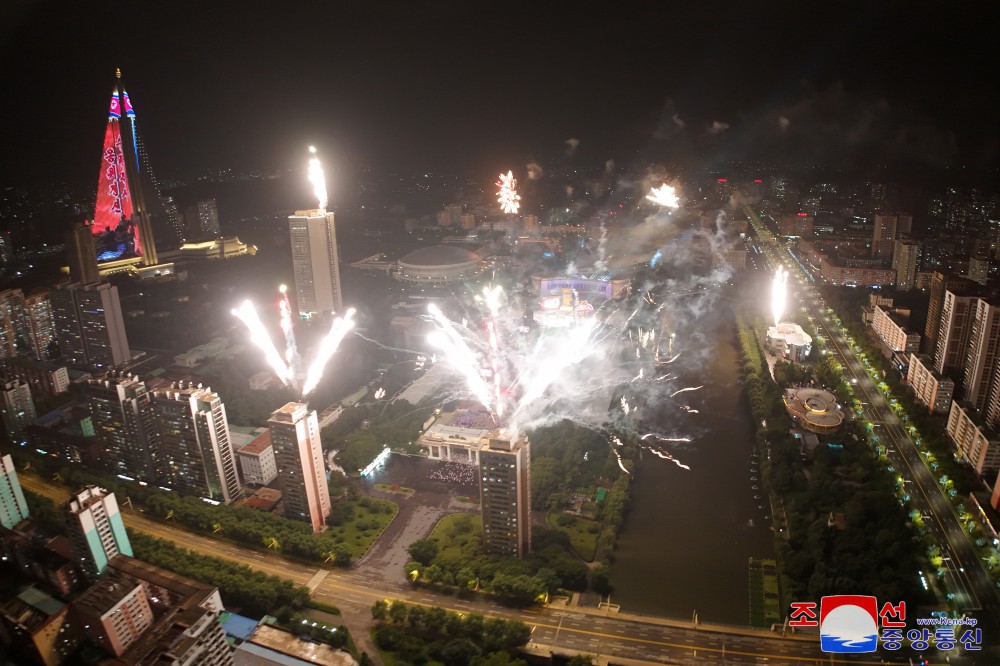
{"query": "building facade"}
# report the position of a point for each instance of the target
(953, 333)
(299, 458)
(257, 460)
(90, 328)
(895, 336)
(930, 389)
(40, 325)
(905, 261)
(888, 227)
(81, 252)
(982, 353)
(95, 527)
(115, 612)
(314, 262)
(13, 506)
(191, 439)
(17, 409)
(977, 444)
(201, 220)
(505, 495)
(121, 411)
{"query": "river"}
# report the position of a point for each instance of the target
(688, 534)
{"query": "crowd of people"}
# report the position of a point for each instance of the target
(455, 472)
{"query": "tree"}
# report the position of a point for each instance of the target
(380, 609)
(459, 652)
(518, 588)
(398, 612)
(341, 553)
(423, 551)
(497, 659)
(580, 660)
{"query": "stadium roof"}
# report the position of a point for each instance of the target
(439, 255)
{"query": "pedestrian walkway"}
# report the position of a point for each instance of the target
(317, 578)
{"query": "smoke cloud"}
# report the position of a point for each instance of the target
(535, 171)
(717, 127)
(572, 143)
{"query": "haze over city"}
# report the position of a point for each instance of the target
(370, 334)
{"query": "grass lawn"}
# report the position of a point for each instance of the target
(581, 538)
(453, 532)
(385, 487)
(369, 516)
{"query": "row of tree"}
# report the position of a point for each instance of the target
(361, 432)
(254, 591)
(420, 634)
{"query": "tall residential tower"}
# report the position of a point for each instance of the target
(505, 495)
(299, 457)
(314, 262)
(95, 527)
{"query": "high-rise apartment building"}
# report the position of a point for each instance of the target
(930, 389)
(314, 262)
(889, 227)
(505, 495)
(977, 444)
(95, 527)
(191, 440)
(81, 251)
(115, 612)
(299, 457)
(17, 409)
(953, 333)
(40, 325)
(11, 321)
(979, 270)
(941, 282)
(982, 353)
(201, 221)
(13, 506)
(905, 260)
(90, 328)
(122, 416)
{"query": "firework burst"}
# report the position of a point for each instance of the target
(507, 196)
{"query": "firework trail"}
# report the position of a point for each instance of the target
(689, 388)
(455, 349)
(247, 313)
(291, 349)
(625, 407)
(317, 178)
(327, 348)
(621, 464)
(778, 293)
(666, 456)
(507, 195)
(665, 196)
(664, 439)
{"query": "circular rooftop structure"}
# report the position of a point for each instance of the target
(438, 264)
(816, 410)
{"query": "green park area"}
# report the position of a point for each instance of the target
(394, 488)
(583, 533)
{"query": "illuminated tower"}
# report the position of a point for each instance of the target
(299, 456)
(505, 495)
(314, 262)
(122, 224)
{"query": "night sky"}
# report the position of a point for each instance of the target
(471, 86)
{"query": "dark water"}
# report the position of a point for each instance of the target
(686, 539)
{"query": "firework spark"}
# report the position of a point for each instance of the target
(778, 293)
(247, 313)
(507, 194)
(327, 348)
(689, 388)
(665, 196)
(291, 349)
(458, 353)
(317, 178)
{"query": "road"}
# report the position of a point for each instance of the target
(965, 576)
(555, 628)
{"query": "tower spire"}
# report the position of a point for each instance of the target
(121, 219)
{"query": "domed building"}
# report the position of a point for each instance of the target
(438, 264)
